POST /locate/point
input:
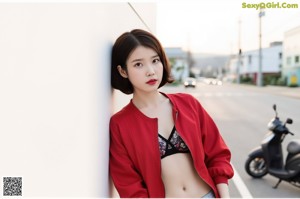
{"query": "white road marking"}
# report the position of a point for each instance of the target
(239, 183)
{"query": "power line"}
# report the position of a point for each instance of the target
(139, 16)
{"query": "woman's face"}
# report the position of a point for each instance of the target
(144, 69)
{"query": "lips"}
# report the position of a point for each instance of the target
(151, 81)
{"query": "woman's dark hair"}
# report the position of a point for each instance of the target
(122, 49)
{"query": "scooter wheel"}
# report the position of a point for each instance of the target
(256, 167)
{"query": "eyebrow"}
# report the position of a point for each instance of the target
(136, 60)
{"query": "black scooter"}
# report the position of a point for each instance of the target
(268, 157)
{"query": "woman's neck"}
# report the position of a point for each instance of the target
(149, 100)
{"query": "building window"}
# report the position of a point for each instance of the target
(249, 59)
(297, 59)
(288, 60)
(280, 55)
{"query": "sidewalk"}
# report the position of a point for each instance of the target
(293, 92)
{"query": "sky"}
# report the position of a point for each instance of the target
(212, 26)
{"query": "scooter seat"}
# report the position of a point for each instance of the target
(283, 174)
(294, 147)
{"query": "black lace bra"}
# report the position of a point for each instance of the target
(173, 145)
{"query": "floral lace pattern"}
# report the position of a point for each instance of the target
(173, 145)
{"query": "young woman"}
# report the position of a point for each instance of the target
(162, 145)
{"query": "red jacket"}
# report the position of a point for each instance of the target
(135, 164)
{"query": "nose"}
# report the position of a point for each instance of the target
(150, 71)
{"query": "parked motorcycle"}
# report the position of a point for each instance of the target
(268, 158)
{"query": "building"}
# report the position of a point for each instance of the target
(249, 64)
(291, 57)
(185, 64)
(179, 62)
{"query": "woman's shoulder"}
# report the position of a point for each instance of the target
(121, 114)
(182, 97)
(185, 100)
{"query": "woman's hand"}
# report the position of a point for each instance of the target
(223, 190)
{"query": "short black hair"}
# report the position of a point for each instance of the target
(122, 49)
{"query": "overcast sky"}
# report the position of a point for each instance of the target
(211, 26)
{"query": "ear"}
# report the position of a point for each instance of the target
(122, 72)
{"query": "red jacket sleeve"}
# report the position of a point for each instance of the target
(217, 154)
(126, 178)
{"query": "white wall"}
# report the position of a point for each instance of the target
(55, 100)
(270, 60)
(291, 47)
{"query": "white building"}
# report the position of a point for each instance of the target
(249, 65)
(291, 56)
(55, 99)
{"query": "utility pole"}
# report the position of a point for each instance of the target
(259, 73)
(239, 56)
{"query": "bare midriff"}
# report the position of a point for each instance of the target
(180, 178)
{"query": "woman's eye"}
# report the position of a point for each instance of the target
(156, 60)
(138, 65)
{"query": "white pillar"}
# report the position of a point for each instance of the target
(55, 96)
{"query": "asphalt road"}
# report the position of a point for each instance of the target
(242, 115)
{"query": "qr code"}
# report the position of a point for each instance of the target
(12, 186)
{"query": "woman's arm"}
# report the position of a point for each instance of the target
(223, 190)
(126, 178)
(217, 154)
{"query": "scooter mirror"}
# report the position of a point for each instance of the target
(289, 121)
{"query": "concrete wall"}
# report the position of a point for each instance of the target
(55, 96)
